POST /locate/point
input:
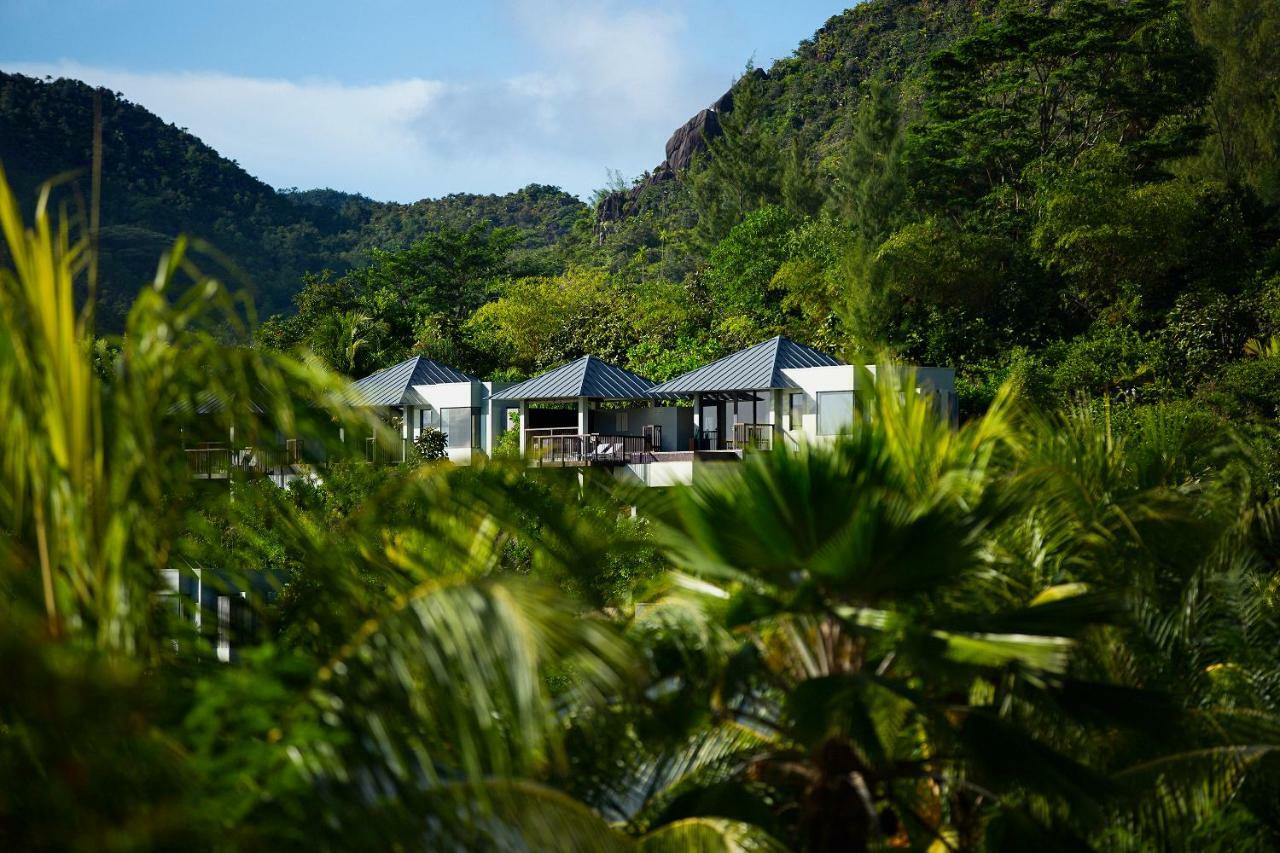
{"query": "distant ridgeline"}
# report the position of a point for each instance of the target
(159, 181)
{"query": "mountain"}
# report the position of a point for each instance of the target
(543, 214)
(159, 181)
(805, 97)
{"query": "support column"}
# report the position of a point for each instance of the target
(406, 428)
(697, 420)
(524, 425)
(779, 414)
(584, 415)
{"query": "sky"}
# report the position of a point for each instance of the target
(402, 100)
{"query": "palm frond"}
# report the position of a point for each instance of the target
(707, 835)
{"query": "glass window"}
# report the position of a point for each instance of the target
(428, 419)
(709, 414)
(456, 426)
(835, 412)
(797, 411)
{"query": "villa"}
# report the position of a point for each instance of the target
(776, 394)
(419, 394)
(588, 413)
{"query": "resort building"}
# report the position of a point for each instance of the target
(592, 411)
(778, 394)
(419, 394)
(775, 395)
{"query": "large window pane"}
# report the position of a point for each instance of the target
(835, 412)
(456, 426)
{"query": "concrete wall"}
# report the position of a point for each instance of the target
(494, 412)
(450, 395)
(681, 472)
(810, 381)
(676, 423)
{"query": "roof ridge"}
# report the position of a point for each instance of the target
(586, 368)
(775, 371)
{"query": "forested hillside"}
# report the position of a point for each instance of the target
(1082, 196)
(159, 181)
(1054, 626)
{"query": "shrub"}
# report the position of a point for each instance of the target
(430, 445)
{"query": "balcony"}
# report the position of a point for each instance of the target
(744, 436)
(219, 461)
(565, 449)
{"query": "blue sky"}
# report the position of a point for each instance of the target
(403, 100)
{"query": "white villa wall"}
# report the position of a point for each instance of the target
(450, 395)
(493, 412)
(483, 400)
(939, 381)
(681, 472)
(678, 473)
(810, 381)
(676, 423)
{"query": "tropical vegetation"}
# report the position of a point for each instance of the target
(1055, 626)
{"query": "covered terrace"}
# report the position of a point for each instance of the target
(738, 401)
(591, 412)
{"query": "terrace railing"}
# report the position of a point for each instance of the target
(218, 462)
(708, 439)
(209, 463)
(753, 436)
(742, 437)
(588, 449)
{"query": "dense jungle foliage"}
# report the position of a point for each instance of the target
(1057, 627)
(1080, 197)
(1056, 631)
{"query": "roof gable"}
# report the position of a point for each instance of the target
(586, 377)
(755, 368)
(393, 386)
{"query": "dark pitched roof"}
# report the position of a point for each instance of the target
(586, 377)
(753, 369)
(207, 403)
(393, 386)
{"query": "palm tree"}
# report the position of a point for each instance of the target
(436, 687)
(903, 640)
(412, 706)
(869, 672)
(1269, 348)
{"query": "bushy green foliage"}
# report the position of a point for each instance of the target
(538, 323)
(741, 266)
(1032, 628)
(1108, 360)
(431, 445)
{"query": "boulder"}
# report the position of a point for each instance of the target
(692, 138)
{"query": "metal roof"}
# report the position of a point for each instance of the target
(393, 386)
(208, 403)
(586, 377)
(755, 368)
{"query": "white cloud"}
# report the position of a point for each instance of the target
(611, 83)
